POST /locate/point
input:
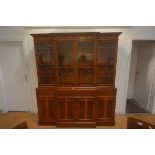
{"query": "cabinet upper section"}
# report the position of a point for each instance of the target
(76, 59)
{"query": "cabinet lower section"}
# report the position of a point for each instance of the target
(76, 107)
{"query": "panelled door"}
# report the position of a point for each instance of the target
(76, 109)
(14, 76)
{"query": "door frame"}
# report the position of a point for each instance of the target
(131, 39)
(4, 104)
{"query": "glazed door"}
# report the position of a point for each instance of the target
(46, 63)
(106, 60)
(65, 56)
(86, 62)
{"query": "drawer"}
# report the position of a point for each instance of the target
(106, 93)
(85, 93)
(65, 92)
(45, 92)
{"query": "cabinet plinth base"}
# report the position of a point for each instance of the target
(48, 123)
(76, 125)
(112, 123)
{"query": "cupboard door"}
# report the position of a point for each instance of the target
(77, 110)
(46, 110)
(45, 63)
(106, 59)
(64, 109)
(87, 109)
(105, 110)
(86, 62)
(65, 63)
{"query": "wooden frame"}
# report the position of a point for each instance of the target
(75, 104)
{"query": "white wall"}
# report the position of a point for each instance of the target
(124, 53)
(145, 73)
(132, 72)
(9, 33)
(1, 90)
(152, 97)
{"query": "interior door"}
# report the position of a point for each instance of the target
(152, 94)
(14, 76)
(144, 76)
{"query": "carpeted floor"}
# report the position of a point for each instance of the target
(132, 107)
(8, 120)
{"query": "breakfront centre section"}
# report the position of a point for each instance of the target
(76, 78)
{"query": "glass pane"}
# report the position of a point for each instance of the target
(111, 56)
(64, 47)
(85, 46)
(106, 56)
(86, 76)
(61, 47)
(65, 60)
(46, 69)
(105, 70)
(85, 60)
(66, 76)
(106, 62)
(61, 60)
(102, 56)
(69, 46)
(45, 56)
(105, 80)
(47, 80)
(45, 59)
(45, 52)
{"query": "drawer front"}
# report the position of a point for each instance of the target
(106, 93)
(66, 92)
(85, 93)
(45, 92)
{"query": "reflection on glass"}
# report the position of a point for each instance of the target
(45, 56)
(65, 60)
(85, 60)
(45, 52)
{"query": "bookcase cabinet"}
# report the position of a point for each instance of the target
(76, 78)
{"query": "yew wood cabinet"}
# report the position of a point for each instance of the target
(76, 78)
